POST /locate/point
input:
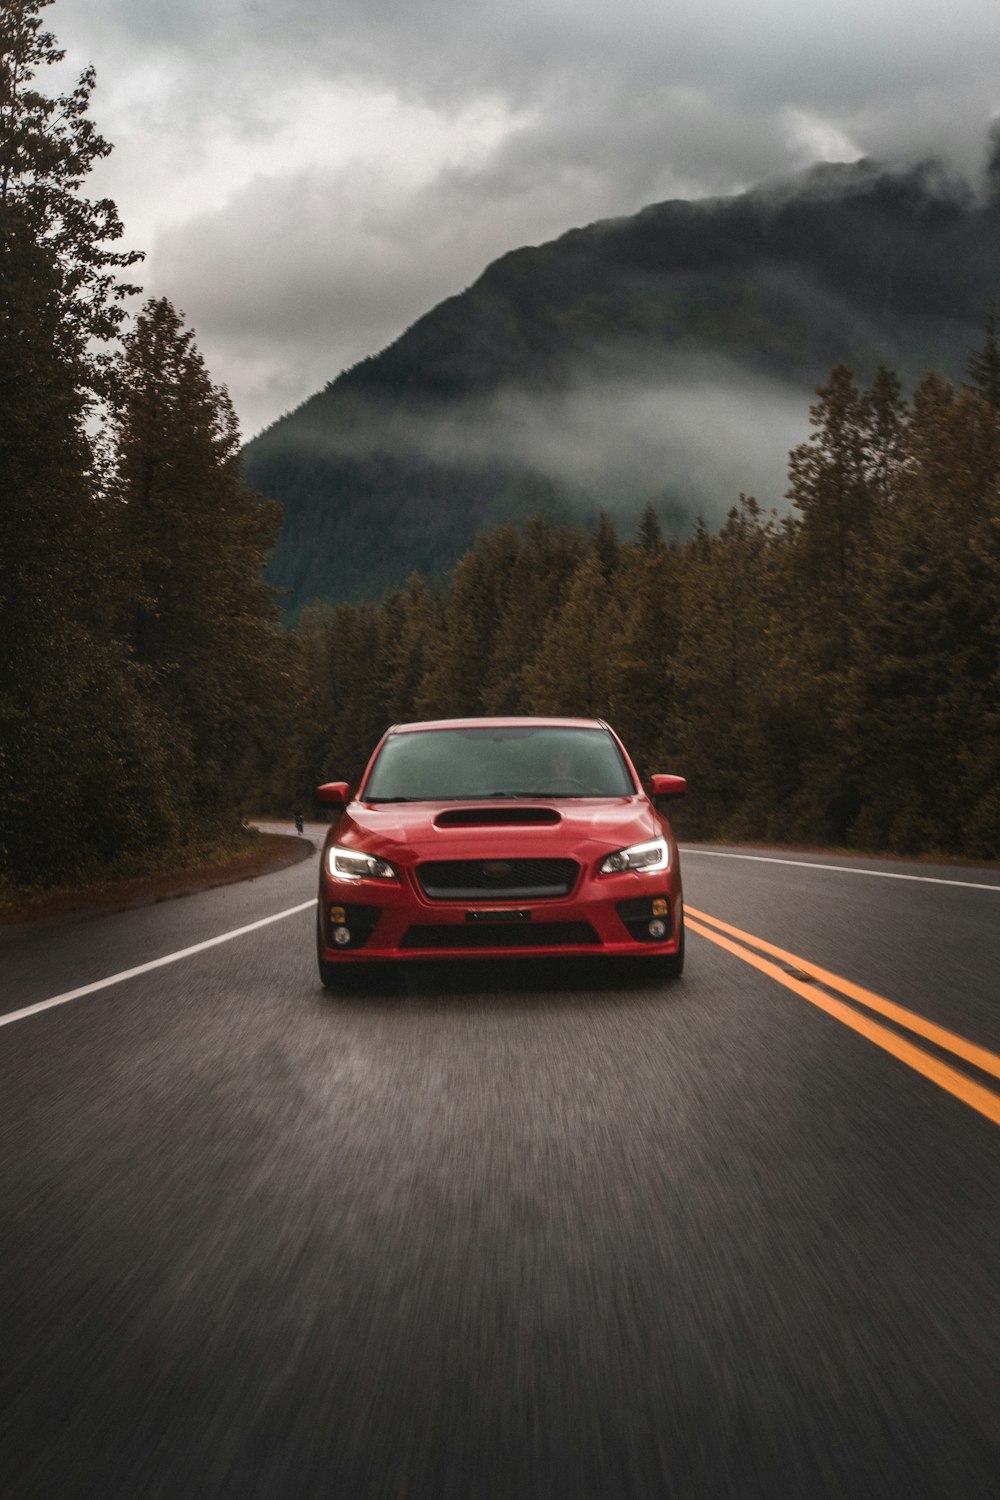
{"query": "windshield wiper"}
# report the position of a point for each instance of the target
(500, 796)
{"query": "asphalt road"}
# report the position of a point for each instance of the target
(509, 1230)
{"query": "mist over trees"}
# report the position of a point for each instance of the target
(832, 676)
(658, 358)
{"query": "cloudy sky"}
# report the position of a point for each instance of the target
(309, 176)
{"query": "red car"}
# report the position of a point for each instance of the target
(499, 838)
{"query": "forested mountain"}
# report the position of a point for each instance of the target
(664, 358)
(831, 677)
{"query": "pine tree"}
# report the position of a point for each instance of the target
(360, 712)
(885, 415)
(923, 689)
(82, 779)
(840, 481)
(411, 631)
(724, 672)
(572, 672)
(830, 487)
(983, 364)
(649, 611)
(456, 680)
(202, 620)
(649, 534)
(536, 586)
(605, 545)
(48, 145)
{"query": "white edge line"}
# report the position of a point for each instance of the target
(804, 864)
(156, 963)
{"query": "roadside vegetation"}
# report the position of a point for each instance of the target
(142, 673)
(832, 676)
(198, 867)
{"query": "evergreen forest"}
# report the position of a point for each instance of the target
(830, 676)
(142, 672)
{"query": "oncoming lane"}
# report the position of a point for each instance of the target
(926, 936)
(68, 955)
(823, 989)
(10, 1017)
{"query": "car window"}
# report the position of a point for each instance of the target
(446, 764)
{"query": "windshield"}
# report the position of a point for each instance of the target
(453, 764)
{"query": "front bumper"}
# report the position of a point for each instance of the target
(378, 921)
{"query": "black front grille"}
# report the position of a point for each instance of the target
(504, 935)
(499, 879)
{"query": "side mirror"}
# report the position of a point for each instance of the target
(667, 786)
(336, 792)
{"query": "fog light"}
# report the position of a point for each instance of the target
(657, 929)
(341, 936)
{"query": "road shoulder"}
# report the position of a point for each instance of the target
(268, 853)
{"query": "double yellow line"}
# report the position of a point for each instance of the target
(813, 984)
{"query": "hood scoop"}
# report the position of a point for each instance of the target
(493, 817)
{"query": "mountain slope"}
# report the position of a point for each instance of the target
(667, 357)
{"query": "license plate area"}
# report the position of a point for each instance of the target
(504, 914)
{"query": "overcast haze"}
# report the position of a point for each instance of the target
(307, 177)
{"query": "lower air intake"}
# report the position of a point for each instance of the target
(504, 935)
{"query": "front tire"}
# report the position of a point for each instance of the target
(661, 969)
(672, 967)
(330, 974)
(347, 979)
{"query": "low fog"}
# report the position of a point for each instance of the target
(695, 443)
(690, 441)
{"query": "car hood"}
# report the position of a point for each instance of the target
(584, 827)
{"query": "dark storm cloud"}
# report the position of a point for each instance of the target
(300, 231)
(878, 67)
(903, 75)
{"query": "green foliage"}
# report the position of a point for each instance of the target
(143, 683)
(983, 364)
(80, 768)
(572, 673)
(547, 558)
(199, 618)
(460, 668)
(923, 689)
(725, 668)
(47, 147)
(833, 677)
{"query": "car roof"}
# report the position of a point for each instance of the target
(514, 721)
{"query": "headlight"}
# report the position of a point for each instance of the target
(647, 858)
(349, 864)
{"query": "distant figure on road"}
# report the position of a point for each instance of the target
(298, 821)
